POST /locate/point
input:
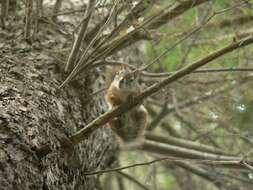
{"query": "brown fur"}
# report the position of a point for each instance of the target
(130, 126)
(111, 98)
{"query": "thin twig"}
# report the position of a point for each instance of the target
(209, 70)
(125, 167)
(239, 20)
(170, 159)
(247, 165)
(184, 143)
(57, 7)
(37, 15)
(83, 31)
(132, 16)
(190, 34)
(179, 151)
(104, 118)
(4, 11)
(124, 107)
(28, 20)
(165, 52)
(135, 35)
(84, 56)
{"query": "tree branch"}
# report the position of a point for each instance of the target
(106, 117)
(184, 143)
(173, 12)
(220, 163)
(187, 103)
(178, 151)
(124, 107)
(78, 41)
(129, 38)
(209, 70)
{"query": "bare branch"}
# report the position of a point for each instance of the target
(178, 151)
(233, 37)
(209, 70)
(109, 115)
(187, 103)
(38, 14)
(83, 58)
(131, 37)
(240, 20)
(103, 119)
(236, 163)
(28, 20)
(4, 11)
(125, 167)
(173, 12)
(184, 143)
(133, 16)
(57, 7)
(78, 41)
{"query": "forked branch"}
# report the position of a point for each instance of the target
(106, 117)
(109, 115)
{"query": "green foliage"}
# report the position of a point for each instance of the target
(168, 180)
(172, 60)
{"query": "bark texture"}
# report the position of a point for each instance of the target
(34, 112)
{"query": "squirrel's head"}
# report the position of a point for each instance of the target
(127, 79)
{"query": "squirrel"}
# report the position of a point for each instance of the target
(130, 126)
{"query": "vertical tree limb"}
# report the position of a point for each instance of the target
(81, 35)
(103, 119)
(28, 20)
(4, 11)
(57, 7)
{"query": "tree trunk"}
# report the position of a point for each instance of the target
(34, 112)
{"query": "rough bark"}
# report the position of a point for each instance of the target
(34, 112)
